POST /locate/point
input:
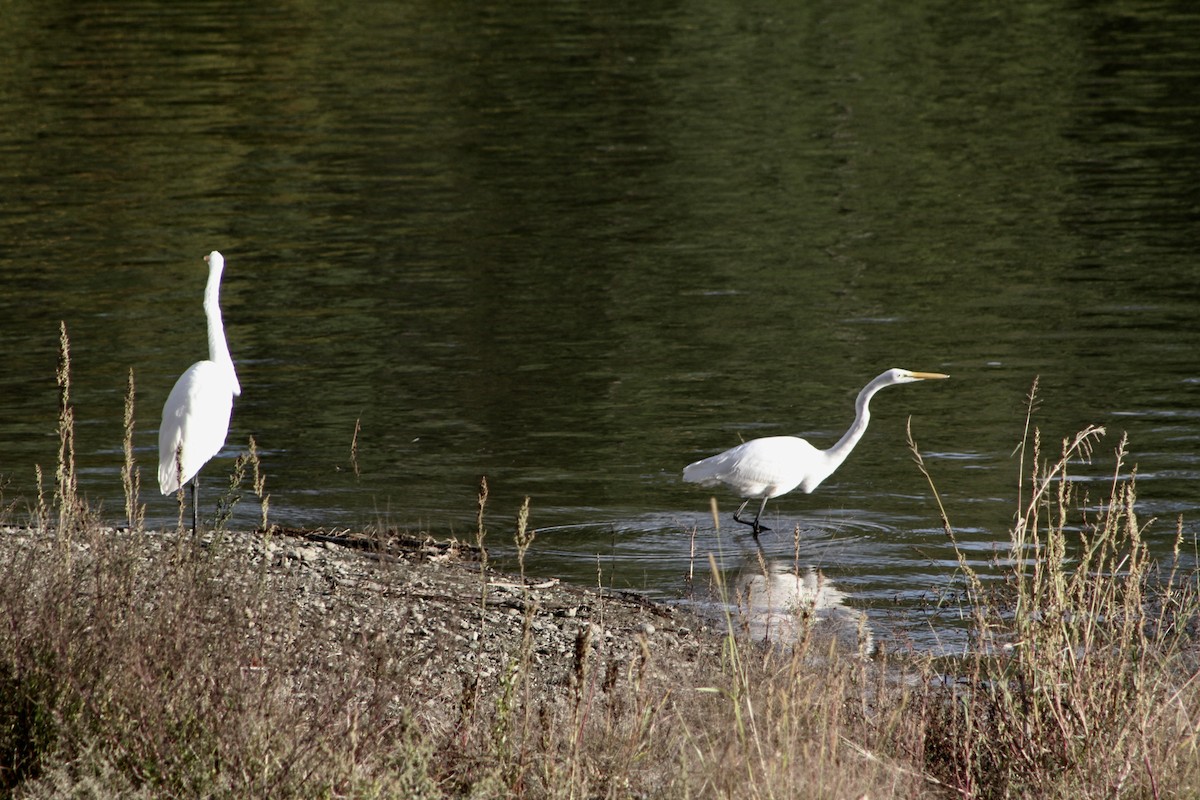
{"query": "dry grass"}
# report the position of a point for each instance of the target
(1081, 677)
(191, 675)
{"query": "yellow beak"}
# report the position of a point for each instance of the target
(929, 376)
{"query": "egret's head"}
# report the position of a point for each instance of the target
(215, 261)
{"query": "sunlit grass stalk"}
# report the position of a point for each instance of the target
(233, 493)
(131, 478)
(523, 539)
(796, 548)
(67, 487)
(259, 484)
(42, 508)
(181, 492)
(524, 536)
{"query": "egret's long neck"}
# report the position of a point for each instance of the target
(862, 415)
(218, 348)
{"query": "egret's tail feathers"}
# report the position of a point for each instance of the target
(703, 472)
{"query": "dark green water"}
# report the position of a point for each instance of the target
(575, 246)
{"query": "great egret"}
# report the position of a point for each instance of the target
(775, 465)
(195, 418)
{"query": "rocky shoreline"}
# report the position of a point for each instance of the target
(461, 624)
(453, 623)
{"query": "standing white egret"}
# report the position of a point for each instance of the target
(195, 418)
(775, 465)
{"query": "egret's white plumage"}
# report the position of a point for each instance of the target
(195, 418)
(775, 465)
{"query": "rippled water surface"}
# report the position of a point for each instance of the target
(573, 246)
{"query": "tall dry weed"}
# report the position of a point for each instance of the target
(131, 479)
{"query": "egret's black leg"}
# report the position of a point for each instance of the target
(755, 526)
(195, 504)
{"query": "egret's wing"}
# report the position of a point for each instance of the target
(196, 418)
(771, 466)
(764, 467)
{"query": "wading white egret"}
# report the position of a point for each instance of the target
(775, 465)
(195, 418)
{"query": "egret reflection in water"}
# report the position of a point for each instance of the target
(784, 606)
